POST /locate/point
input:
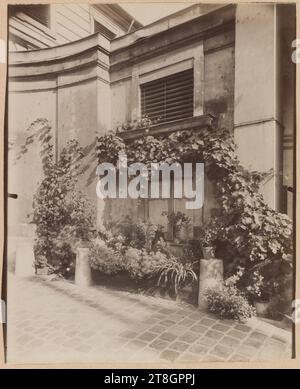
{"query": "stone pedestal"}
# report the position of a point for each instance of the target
(211, 274)
(83, 275)
(25, 259)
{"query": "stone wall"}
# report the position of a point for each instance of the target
(68, 86)
(91, 86)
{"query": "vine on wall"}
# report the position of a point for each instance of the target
(250, 229)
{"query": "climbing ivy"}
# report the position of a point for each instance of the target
(251, 230)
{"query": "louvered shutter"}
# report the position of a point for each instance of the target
(169, 98)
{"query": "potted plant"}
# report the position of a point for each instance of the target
(209, 233)
(258, 290)
(177, 277)
(178, 221)
(41, 267)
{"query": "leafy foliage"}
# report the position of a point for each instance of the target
(130, 249)
(249, 229)
(177, 220)
(228, 302)
(139, 250)
(175, 274)
(63, 215)
(210, 232)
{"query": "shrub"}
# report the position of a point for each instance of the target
(139, 234)
(104, 258)
(228, 302)
(141, 263)
(111, 257)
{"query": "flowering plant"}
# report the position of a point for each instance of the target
(227, 301)
(210, 231)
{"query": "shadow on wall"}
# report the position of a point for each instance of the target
(40, 131)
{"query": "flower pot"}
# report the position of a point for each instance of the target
(42, 271)
(208, 252)
(184, 293)
(261, 308)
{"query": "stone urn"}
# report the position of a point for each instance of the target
(211, 275)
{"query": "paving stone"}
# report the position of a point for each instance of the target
(247, 350)
(187, 322)
(71, 342)
(126, 327)
(206, 341)
(24, 339)
(189, 337)
(211, 358)
(159, 344)
(84, 348)
(116, 341)
(237, 334)
(221, 351)
(128, 334)
(228, 341)
(272, 350)
(176, 317)
(243, 327)
(199, 328)
(167, 323)
(190, 357)
(207, 322)
(196, 315)
(214, 334)
(157, 329)
(168, 336)
(86, 334)
(221, 327)
(166, 311)
(239, 358)
(148, 336)
(135, 344)
(36, 343)
(177, 330)
(198, 349)
(169, 355)
(255, 339)
(280, 338)
(179, 346)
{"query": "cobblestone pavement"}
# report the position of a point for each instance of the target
(55, 321)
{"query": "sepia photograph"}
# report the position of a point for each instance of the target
(150, 183)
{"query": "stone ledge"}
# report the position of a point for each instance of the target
(195, 122)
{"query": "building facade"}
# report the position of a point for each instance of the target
(48, 25)
(96, 71)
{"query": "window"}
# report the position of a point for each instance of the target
(98, 27)
(169, 98)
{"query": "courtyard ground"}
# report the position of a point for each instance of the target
(56, 321)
